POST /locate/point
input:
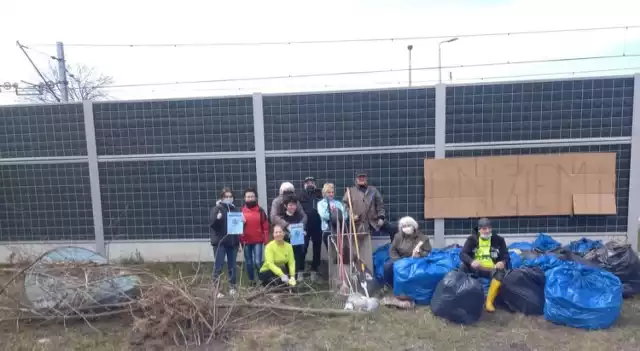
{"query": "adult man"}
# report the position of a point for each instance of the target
(367, 205)
(309, 197)
(485, 254)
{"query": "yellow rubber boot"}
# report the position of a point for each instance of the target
(494, 288)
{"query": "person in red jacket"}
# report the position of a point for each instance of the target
(255, 234)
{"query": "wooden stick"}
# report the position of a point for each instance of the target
(353, 223)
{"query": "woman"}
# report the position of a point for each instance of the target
(277, 211)
(279, 261)
(408, 242)
(224, 244)
(292, 215)
(331, 211)
(255, 234)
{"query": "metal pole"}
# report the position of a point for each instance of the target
(410, 47)
(62, 72)
(439, 63)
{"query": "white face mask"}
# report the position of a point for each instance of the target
(486, 236)
(408, 230)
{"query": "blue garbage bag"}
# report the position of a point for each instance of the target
(545, 243)
(380, 257)
(544, 262)
(583, 246)
(515, 258)
(417, 278)
(521, 245)
(582, 297)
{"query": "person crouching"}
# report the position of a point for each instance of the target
(279, 262)
(408, 242)
(485, 255)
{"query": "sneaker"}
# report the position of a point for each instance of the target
(220, 295)
(314, 276)
(299, 277)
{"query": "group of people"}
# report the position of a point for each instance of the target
(484, 253)
(316, 210)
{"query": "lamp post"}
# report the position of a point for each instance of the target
(440, 57)
(410, 47)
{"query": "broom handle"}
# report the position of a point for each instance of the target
(353, 223)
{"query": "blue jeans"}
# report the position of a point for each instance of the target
(231, 252)
(253, 259)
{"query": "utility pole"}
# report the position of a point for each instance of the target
(62, 72)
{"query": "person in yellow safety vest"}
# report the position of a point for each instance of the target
(485, 254)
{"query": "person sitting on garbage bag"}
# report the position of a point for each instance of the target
(408, 242)
(279, 262)
(485, 255)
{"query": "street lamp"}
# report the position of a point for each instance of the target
(410, 47)
(440, 57)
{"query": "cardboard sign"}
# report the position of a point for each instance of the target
(531, 185)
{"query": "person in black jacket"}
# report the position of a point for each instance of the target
(292, 216)
(485, 254)
(224, 244)
(309, 198)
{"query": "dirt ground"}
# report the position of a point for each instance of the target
(386, 329)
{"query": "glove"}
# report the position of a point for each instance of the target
(219, 216)
(332, 206)
(292, 282)
(285, 278)
(380, 222)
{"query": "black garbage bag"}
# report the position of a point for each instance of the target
(621, 260)
(458, 298)
(522, 290)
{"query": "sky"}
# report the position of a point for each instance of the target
(39, 24)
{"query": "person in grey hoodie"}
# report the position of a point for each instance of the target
(276, 214)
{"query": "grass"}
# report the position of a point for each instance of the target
(386, 329)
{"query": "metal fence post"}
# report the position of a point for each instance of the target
(261, 162)
(440, 143)
(94, 176)
(634, 169)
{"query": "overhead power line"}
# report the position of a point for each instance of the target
(338, 41)
(391, 70)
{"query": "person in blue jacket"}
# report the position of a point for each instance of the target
(331, 211)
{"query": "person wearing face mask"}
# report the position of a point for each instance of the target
(309, 197)
(368, 207)
(276, 214)
(485, 255)
(279, 262)
(255, 234)
(293, 216)
(224, 244)
(408, 242)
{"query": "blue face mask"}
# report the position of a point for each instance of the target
(227, 201)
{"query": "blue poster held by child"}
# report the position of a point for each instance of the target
(296, 233)
(235, 225)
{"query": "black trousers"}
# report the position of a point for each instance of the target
(269, 278)
(388, 273)
(316, 240)
(497, 274)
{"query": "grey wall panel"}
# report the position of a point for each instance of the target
(45, 202)
(42, 131)
(156, 127)
(167, 199)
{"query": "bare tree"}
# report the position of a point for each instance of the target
(83, 81)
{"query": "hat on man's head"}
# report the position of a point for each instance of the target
(361, 174)
(484, 223)
(309, 179)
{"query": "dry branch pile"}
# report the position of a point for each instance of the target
(163, 311)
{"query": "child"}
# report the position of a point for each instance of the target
(292, 217)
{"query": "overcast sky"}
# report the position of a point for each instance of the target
(39, 22)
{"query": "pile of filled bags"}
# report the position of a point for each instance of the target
(579, 285)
